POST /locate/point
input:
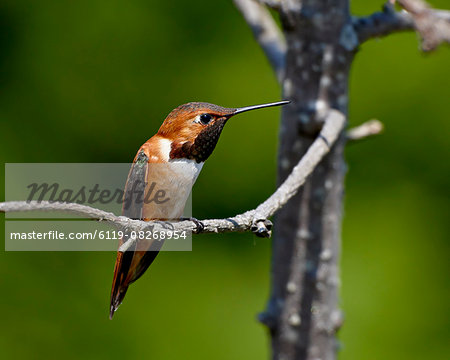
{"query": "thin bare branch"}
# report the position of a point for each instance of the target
(255, 220)
(334, 122)
(432, 25)
(365, 130)
(266, 33)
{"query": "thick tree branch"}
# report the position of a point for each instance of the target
(255, 220)
(382, 23)
(266, 33)
(432, 25)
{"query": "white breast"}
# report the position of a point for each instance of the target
(179, 183)
(186, 170)
(176, 177)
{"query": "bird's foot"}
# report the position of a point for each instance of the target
(198, 224)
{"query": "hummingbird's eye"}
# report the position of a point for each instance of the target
(205, 118)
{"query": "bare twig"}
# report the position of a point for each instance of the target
(333, 125)
(365, 130)
(266, 33)
(432, 25)
(255, 220)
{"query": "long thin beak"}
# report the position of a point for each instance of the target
(254, 107)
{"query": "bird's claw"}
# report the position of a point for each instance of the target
(199, 227)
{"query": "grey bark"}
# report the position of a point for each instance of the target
(322, 38)
(303, 313)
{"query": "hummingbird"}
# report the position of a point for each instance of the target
(174, 158)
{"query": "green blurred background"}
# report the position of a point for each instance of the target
(90, 81)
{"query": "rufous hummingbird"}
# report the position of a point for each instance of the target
(173, 157)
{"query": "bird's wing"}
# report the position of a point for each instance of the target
(131, 264)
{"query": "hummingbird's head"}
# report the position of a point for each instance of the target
(194, 128)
